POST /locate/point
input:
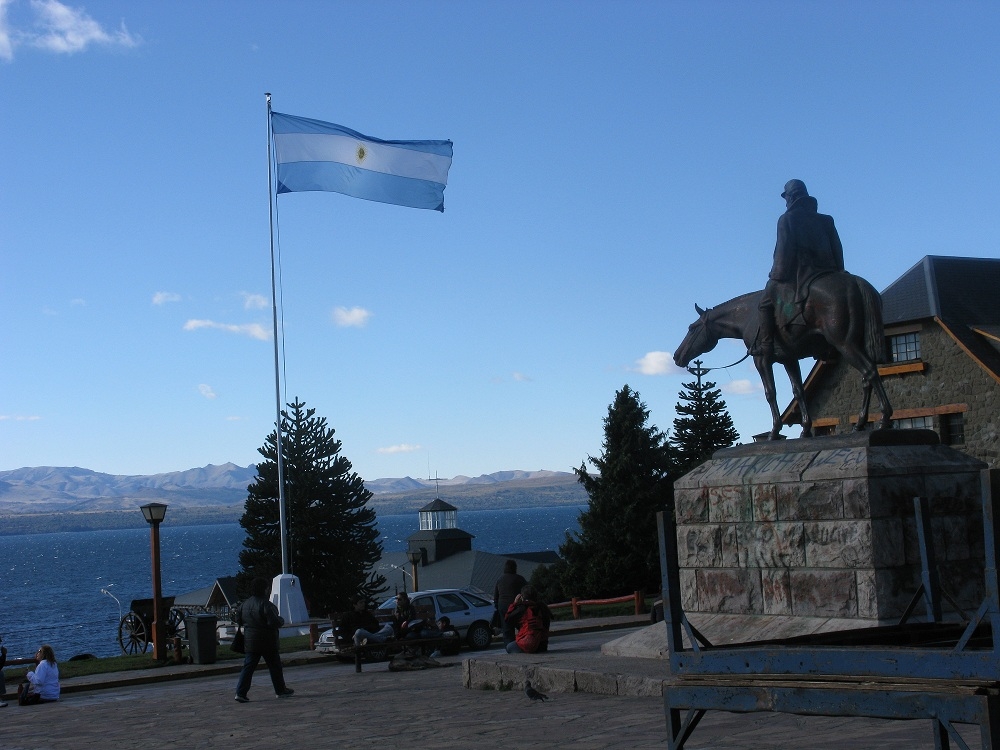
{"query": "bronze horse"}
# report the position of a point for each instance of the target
(842, 315)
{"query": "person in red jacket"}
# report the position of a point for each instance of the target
(532, 619)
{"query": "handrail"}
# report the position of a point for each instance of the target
(576, 603)
(17, 662)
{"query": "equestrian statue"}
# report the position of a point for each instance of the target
(811, 307)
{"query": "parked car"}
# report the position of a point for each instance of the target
(470, 615)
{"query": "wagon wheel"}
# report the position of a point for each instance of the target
(133, 636)
(175, 627)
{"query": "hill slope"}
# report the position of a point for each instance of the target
(71, 498)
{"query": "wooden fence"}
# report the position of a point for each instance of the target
(577, 604)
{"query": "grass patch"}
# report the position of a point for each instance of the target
(86, 667)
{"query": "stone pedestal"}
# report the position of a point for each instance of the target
(825, 527)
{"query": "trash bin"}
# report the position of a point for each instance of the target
(202, 637)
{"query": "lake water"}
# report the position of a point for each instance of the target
(50, 584)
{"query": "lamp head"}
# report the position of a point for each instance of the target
(153, 512)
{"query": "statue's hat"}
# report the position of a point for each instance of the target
(794, 186)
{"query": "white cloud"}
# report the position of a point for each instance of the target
(741, 387)
(657, 363)
(254, 301)
(520, 377)
(54, 27)
(67, 30)
(18, 418)
(160, 298)
(401, 448)
(78, 302)
(253, 330)
(206, 390)
(356, 317)
(6, 44)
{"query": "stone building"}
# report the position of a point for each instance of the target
(942, 327)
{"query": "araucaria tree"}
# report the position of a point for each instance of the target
(617, 550)
(703, 425)
(333, 538)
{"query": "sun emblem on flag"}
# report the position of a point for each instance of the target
(361, 153)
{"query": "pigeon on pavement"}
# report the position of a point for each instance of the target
(534, 694)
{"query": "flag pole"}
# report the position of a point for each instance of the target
(282, 517)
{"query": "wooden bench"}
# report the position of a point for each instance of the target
(945, 702)
(428, 645)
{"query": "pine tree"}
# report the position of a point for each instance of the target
(617, 549)
(704, 425)
(332, 533)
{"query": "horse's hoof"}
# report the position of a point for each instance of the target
(806, 434)
(859, 428)
(774, 435)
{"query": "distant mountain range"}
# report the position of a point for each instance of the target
(51, 490)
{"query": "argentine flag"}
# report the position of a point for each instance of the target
(316, 155)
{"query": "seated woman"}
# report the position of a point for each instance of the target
(43, 682)
(532, 618)
(403, 613)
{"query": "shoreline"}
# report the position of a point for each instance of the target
(69, 521)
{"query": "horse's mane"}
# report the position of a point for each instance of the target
(748, 295)
(743, 298)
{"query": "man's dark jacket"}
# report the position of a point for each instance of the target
(261, 622)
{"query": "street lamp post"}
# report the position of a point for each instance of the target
(414, 557)
(154, 514)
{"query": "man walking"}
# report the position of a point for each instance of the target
(261, 623)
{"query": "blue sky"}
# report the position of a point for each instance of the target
(614, 164)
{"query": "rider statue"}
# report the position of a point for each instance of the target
(808, 247)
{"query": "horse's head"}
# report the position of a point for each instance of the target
(699, 339)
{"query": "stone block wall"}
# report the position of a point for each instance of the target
(951, 377)
(825, 527)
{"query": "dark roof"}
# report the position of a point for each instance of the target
(475, 570)
(222, 592)
(437, 504)
(437, 534)
(196, 598)
(227, 587)
(547, 556)
(960, 294)
(957, 290)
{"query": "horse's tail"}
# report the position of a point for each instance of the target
(874, 330)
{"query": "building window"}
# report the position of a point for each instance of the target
(905, 347)
(953, 429)
(432, 520)
(914, 423)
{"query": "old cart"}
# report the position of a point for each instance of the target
(135, 631)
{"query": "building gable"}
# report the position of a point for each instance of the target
(944, 314)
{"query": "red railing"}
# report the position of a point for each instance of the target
(576, 603)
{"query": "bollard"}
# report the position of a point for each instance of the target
(640, 605)
(313, 636)
(576, 608)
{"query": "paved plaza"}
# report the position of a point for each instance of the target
(334, 707)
